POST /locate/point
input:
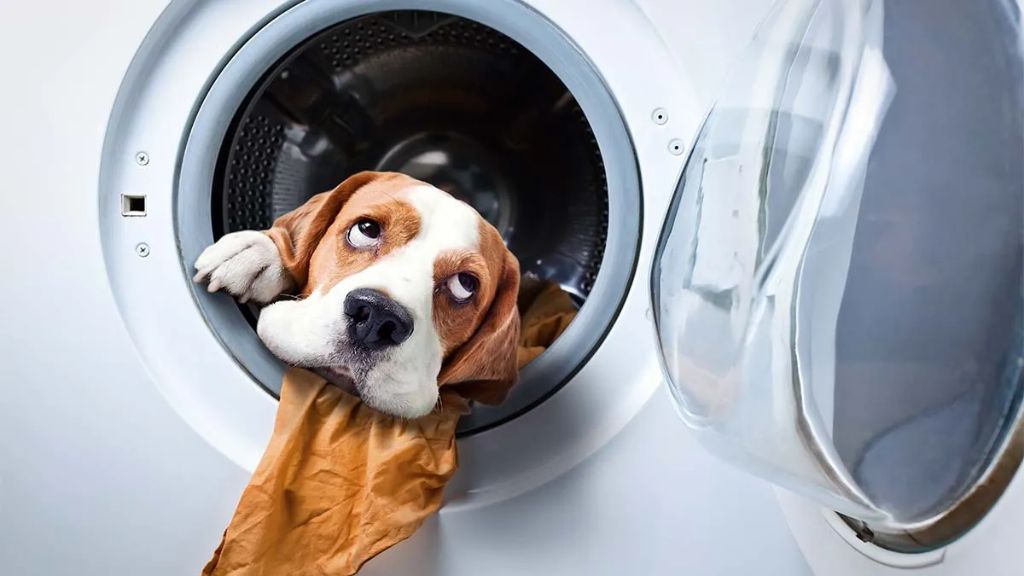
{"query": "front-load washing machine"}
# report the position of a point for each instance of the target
(857, 178)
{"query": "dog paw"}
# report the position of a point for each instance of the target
(244, 264)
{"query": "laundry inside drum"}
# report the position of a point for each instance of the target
(444, 99)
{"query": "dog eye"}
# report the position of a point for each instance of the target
(463, 286)
(364, 233)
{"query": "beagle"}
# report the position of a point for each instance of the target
(400, 289)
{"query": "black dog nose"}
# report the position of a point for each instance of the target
(376, 321)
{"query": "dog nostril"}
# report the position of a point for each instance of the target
(386, 330)
(361, 314)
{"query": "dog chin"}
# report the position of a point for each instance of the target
(388, 388)
(401, 404)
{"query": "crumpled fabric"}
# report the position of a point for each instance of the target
(546, 311)
(340, 482)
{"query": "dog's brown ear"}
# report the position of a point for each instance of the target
(298, 232)
(485, 368)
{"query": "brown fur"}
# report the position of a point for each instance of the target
(335, 259)
(313, 236)
(479, 337)
(484, 368)
(455, 321)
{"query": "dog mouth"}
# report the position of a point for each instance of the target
(340, 376)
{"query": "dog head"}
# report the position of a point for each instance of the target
(405, 289)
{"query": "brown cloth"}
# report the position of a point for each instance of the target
(340, 482)
(546, 311)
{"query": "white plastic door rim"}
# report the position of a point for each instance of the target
(838, 284)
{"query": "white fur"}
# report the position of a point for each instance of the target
(304, 332)
(245, 264)
(312, 332)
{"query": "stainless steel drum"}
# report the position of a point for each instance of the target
(438, 97)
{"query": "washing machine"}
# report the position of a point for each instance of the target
(793, 231)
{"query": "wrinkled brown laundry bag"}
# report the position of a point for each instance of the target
(340, 482)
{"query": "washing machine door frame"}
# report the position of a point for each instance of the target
(781, 415)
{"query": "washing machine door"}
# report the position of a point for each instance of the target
(837, 289)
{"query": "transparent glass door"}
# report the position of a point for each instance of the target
(838, 284)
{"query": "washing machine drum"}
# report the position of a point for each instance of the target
(443, 99)
(452, 102)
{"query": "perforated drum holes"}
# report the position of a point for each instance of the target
(363, 94)
(659, 116)
(133, 205)
(676, 147)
